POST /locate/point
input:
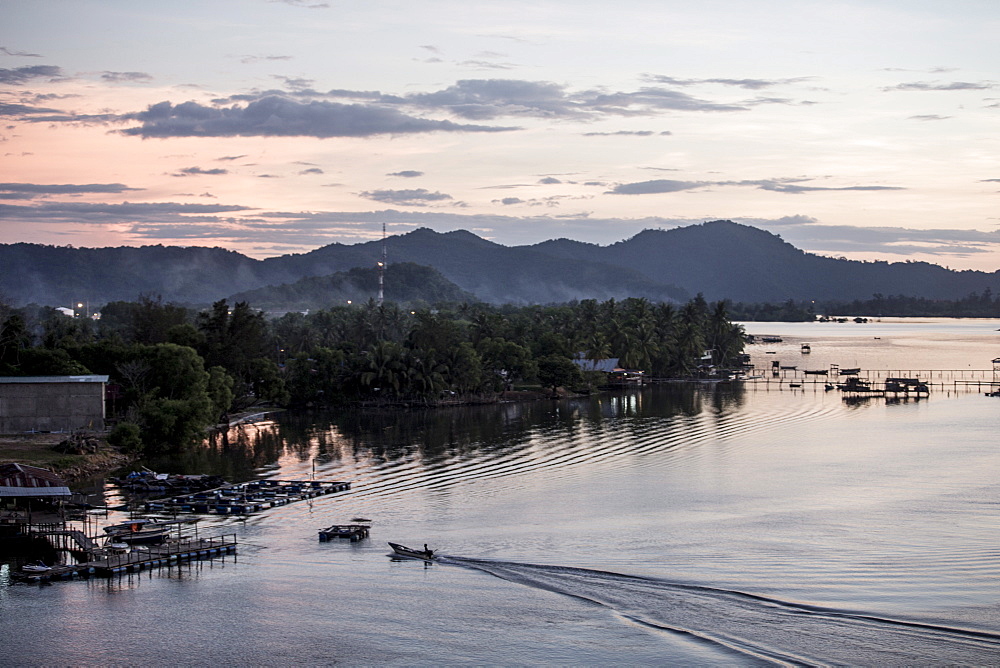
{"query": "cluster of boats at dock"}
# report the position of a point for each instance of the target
(245, 498)
(144, 542)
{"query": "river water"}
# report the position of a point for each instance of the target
(749, 524)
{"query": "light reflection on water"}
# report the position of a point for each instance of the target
(883, 511)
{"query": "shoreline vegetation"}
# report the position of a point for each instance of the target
(81, 455)
(974, 305)
(175, 371)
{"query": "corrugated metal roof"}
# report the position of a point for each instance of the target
(31, 476)
(34, 492)
(54, 379)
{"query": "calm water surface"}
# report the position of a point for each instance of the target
(696, 525)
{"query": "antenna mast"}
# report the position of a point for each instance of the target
(381, 270)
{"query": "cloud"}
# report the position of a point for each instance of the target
(628, 133)
(22, 109)
(750, 84)
(929, 117)
(483, 99)
(490, 98)
(507, 201)
(840, 239)
(32, 189)
(75, 213)
(119, 77)
(786, 185)
(549, 180)
(486, 65)
(198, 171)
(311, 170)
(304, 4)
(415, 197)
(407, 174)
(8, 52)
(254, 59)
(19, 75)
(955, 85)
(274, 116)
(656, 186)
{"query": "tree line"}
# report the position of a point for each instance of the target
(175, 371)
(973, 305)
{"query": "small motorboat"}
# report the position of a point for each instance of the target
(139, 531)
(409, 553)
(39, 567)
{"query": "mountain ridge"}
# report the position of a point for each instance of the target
(719, 259)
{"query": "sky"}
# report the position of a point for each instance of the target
(865, 129)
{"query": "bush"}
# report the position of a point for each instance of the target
(126, 437)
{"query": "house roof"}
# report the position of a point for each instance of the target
(22, 480)
(607, 365)
(54, 379)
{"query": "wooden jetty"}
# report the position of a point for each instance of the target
(886, 382)
(155, 556)
(245, 498)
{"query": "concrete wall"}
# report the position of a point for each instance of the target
(50, 405)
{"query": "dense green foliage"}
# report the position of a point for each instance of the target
(176, 371)
(974, 305)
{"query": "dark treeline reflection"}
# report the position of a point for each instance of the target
(439, 434)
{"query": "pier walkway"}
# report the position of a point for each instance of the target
(155, 556)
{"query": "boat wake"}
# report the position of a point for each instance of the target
(756, 628)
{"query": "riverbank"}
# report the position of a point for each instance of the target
(42, 450)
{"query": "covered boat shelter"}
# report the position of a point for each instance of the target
(20, 486)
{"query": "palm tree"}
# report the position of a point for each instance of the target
(384, 371)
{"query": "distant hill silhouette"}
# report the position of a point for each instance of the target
(721, 260)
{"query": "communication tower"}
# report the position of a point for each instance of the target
(381, 270)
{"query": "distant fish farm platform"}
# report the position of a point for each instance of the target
(245, 498)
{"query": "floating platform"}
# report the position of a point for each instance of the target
(352, 532)
(156, 556)
(245, 498)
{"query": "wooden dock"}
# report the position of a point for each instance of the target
(153, 557)
(882, 382)
(245, 498)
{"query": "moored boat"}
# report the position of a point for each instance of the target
(410, 553)
(39, 567)
(139, 531)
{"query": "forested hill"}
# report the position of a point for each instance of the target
(405, 283)
(721, 260)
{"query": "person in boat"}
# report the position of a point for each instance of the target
(428, 552)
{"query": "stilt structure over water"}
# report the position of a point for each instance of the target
(153, 557)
